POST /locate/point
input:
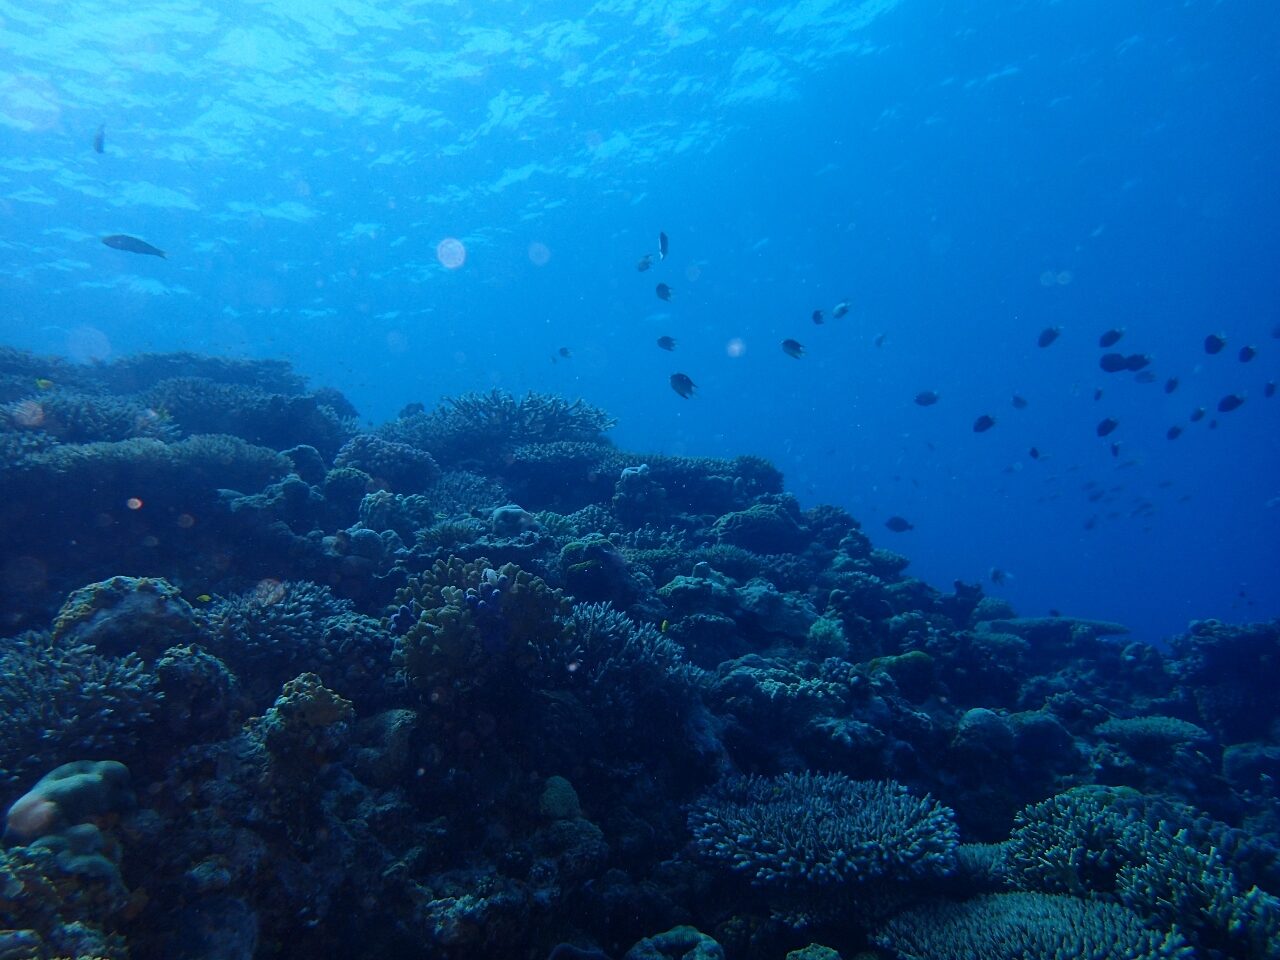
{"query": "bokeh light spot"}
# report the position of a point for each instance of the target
(735, 347)
(451, 253)
(87, 344)
(539, 254)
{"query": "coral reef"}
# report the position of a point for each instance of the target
(478, 683)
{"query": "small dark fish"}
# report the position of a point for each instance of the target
(662, 245)
(1019, 402)
(983, 423)
(1137, 361)
(1113, 362)
(645, 262)
(1247, 353)
(1171, 385)
(120, 241)
(682, 385)
(1270, 389)
(1214, 343)
(1115, 449)
(1145, 376)
(1106, 425)
(879, 340)
(840, 309)
(1174, 432)
(1048, 335)
(998, 576)
(1034, 453)
(1097, 393)
(817, 318)
(564, 352)
(663, 291)
(927, 398)
(1111, 337)
(899, 524)
(793, 349)
(667, 343)
(1231, 401)
(100, 139)
(1197, 414)
(1213, 424)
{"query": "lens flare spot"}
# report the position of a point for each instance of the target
(87, 344)
(539, 254)
(451, 253)
(735, 347)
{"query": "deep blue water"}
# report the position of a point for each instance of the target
(964, 174)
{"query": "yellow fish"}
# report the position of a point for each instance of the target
(664, 626)
(44, 383)
(204, 598)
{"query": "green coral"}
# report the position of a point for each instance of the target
(464, 645)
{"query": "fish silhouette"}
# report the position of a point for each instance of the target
(121, 241)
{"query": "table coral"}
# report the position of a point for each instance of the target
(816, 829)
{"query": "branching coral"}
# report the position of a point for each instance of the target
(62, 700)
(1027, 926)
(1160, 858)
(281, 628)
(814, 829)
(486, 428)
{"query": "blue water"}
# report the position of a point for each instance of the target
(964, 174)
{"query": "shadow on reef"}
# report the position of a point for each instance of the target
(476, 683)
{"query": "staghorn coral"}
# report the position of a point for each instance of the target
(563, 475)
(144, 370)
(62, 699)
(485, 428)
(1026, 926)
(112, 472)
(282, 628)
(73, 417)
(1151, 737)
(197, 405)
(813, 830)
(1158, 857)
(625, 673)
(1229, 671)
(400, 467)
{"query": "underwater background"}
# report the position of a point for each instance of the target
(333, 412)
